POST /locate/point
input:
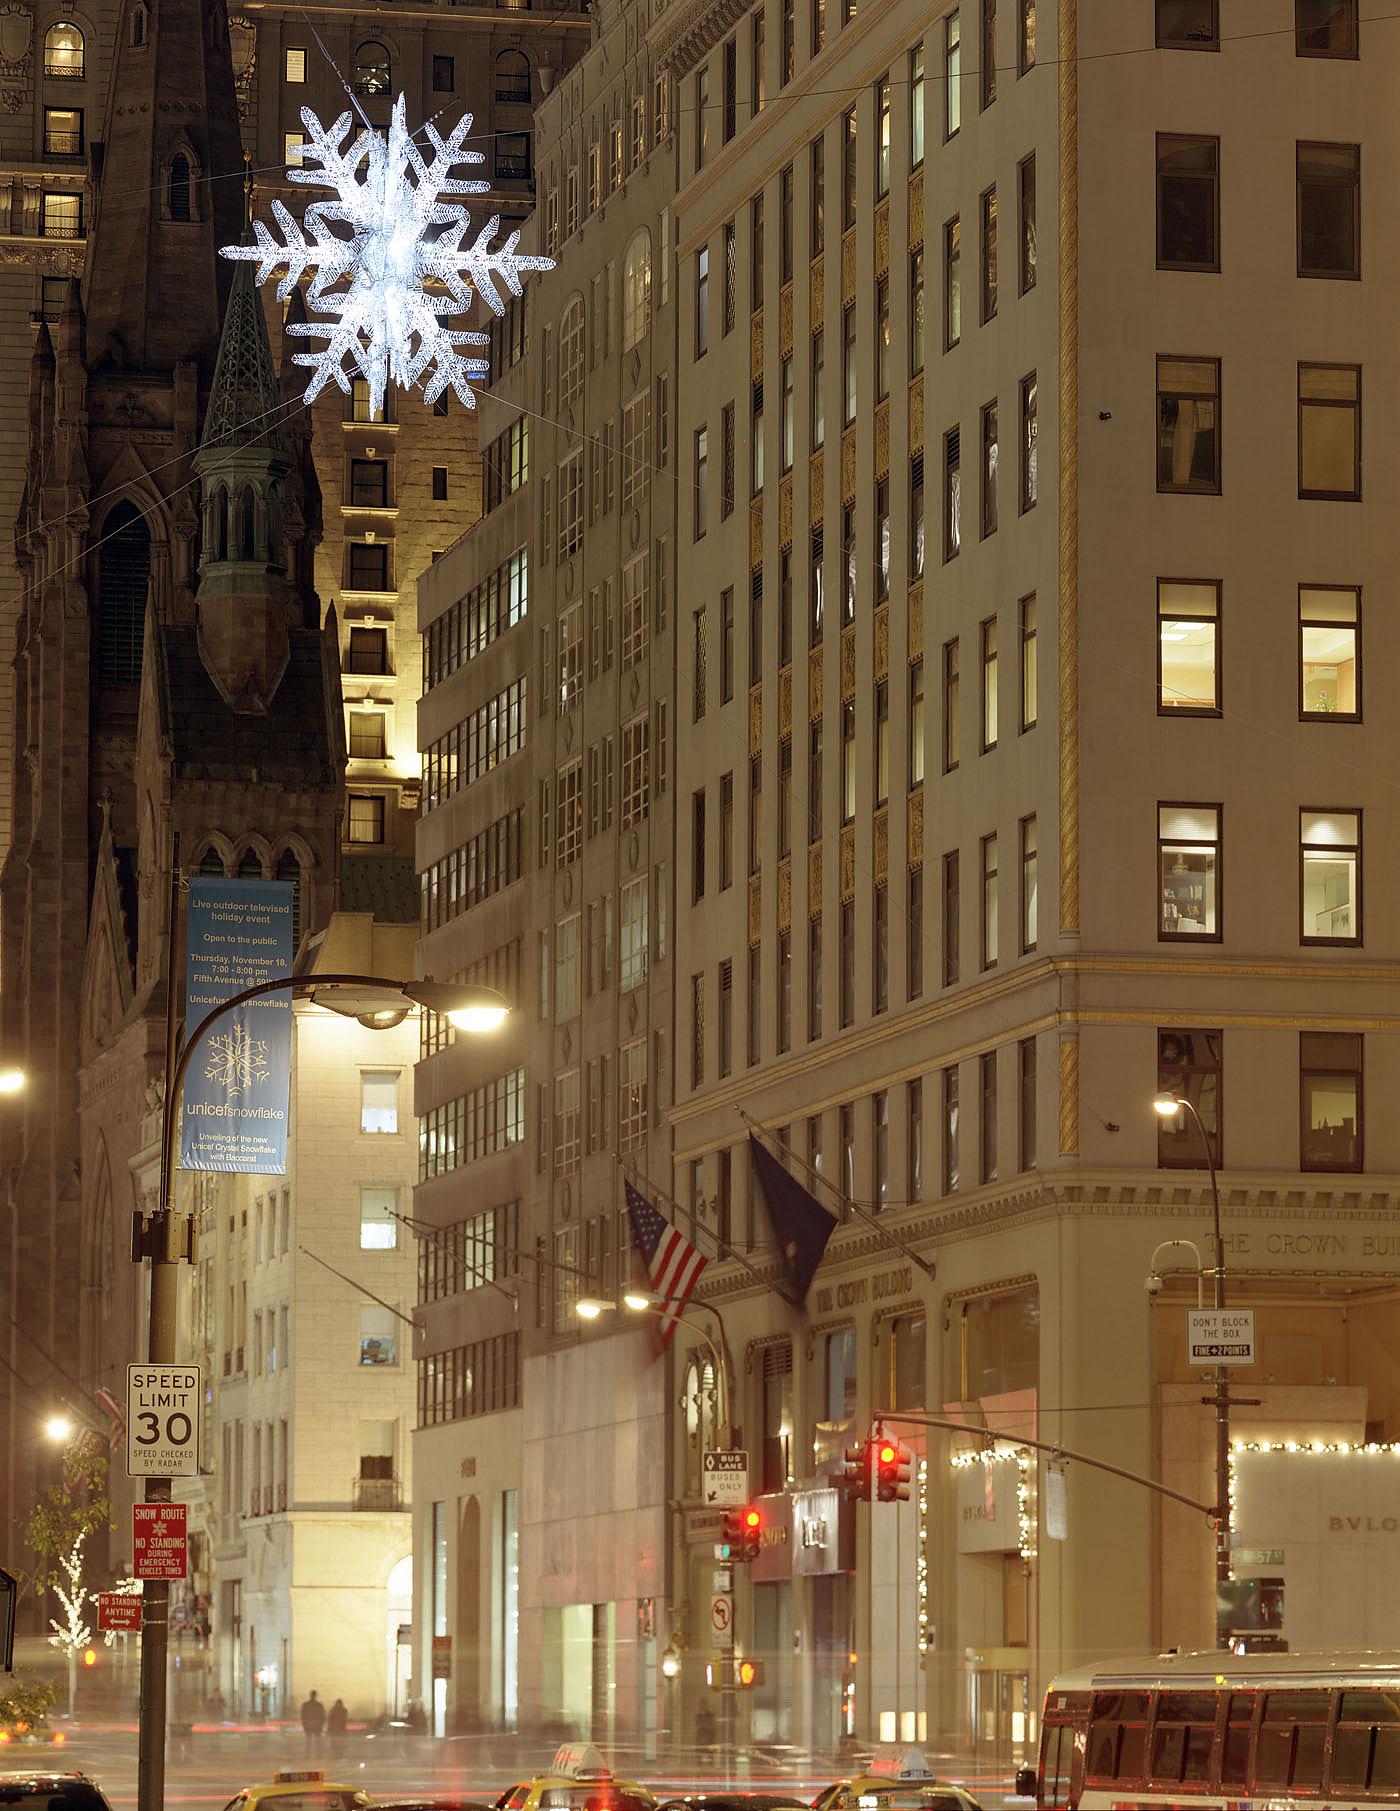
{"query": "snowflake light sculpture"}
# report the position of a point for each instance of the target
(375, 249)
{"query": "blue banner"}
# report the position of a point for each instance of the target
(238, 933)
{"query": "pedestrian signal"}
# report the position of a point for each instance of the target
(748, 1673)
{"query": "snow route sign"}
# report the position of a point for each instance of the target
(162, 1421)
(158, 1546)
(1220, 1336)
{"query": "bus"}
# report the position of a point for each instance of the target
(1185, 1732)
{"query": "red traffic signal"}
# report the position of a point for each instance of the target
(748, 1673)
(743, 1532)
(893, 1465)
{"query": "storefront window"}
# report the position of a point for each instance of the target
(837, 1408)
(1000, 1343)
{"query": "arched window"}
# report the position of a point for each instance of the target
(373, 74)
(571, 350)
(636, 290)
(221, 524)
(513, 77)
(123, 577)
(180, 188)
(63, 50)
(247, 516)
(138, 27)
(211, 862)
(250, 865)
(289, 869)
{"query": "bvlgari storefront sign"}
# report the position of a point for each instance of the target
(1329, 1523)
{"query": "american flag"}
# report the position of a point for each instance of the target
(673, 1264)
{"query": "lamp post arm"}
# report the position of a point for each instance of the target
(174, 1092)
(1056, 1452)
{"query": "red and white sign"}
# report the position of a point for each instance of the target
(158, 1543)
(119, 1610)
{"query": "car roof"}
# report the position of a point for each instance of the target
(286, 1788)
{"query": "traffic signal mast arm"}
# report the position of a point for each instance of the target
(1055, 1452)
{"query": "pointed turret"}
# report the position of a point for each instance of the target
(168, 195)
(245, 604)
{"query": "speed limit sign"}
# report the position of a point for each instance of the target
(162, 1421)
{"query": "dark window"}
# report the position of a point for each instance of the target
(1329, 1067)
(1188, 424)
(368, 651)
(445, 75)
(123, 576)
(513, 156)
(513, 77)
(1188, 202)
(1189, 1065)
(369, 566)
(1329, 210)
(289, 870)
(1188, 24)
(1329, 431)
(1327, 28)
(180, 188)
(439, 483)
(372, 72)
(369, 484)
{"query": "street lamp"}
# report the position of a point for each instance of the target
(12, 1080)
(1168, 1105)
(59, 1428)
(670, 1662)
(379, 1003)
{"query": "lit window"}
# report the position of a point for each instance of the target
(294, 65)
(63, 51)
(1329, 850)
(366, 738)
(292, 143)
(1188, 647)
(379, 1226)
(366, 817)
(1188, 870)
(1329, 630)
(379, 1100)
(379, 1337)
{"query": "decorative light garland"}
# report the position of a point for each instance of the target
(1025, 1490)
(396, 237)
(925, 1627)
(1372, 1449)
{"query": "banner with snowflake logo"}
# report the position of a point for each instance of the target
(234, 1114)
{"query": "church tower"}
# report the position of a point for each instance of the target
(164, 684)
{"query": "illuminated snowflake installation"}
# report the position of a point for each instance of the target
(388, 259)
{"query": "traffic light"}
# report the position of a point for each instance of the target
(748, 1673)
(743, 1532)
(854, 1482)
(893, 1461)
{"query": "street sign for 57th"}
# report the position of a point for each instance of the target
(162, 1421)
(1220, 1336)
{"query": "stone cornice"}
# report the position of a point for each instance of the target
(682, 35)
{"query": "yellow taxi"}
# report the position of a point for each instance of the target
(577, 1780)
(305, 1790)
(895, 1782)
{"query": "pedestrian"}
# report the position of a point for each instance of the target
(313, 1721)
(336, 1724)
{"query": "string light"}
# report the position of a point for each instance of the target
(921, 1580)
(1025, 1488)
(384, 321)
(1345, 1448)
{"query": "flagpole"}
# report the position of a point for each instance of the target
(723, 1248)
(929, 1270)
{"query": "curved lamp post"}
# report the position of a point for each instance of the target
(644, 1301)
(1168, 1105)
(378, 1002)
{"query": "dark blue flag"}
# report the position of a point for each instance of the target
(801, 1225)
